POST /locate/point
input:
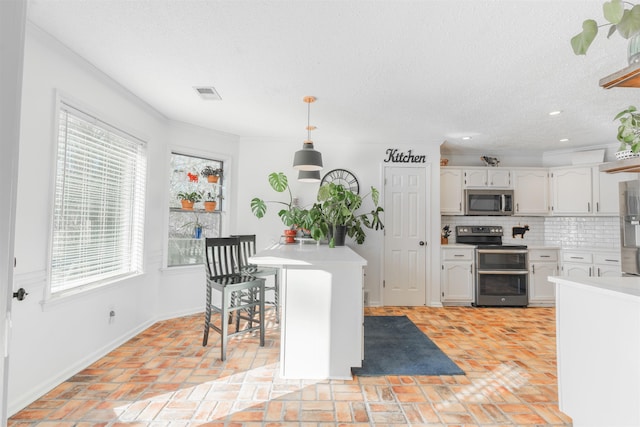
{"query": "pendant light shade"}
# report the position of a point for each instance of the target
(309, 176)
(308, 159)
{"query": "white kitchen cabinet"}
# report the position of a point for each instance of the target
(487, 178)
(606, 191)
(457, 275)
(451, 200)
(531, 191)
(587, 264)
(542, 264)
(572, 191)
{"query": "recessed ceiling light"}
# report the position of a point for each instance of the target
(564, 140)
(555, 113)
(208, 92)
(466, 138)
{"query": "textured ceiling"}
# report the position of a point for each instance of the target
(419, 72)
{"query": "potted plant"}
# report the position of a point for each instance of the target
(290, 215)
(212, 174)
(623, 18)
(444, 237)
(211, 200)
(338, 207)
(628, 133)
(195, 226)
(188, 199)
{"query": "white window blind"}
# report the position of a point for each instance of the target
(98, 218)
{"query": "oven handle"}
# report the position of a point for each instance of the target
(512, 272)
(502, 251)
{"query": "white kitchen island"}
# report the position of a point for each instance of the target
(598, 348)
(321, 309)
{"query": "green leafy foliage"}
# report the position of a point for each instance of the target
(193, 196)
(625, 22)
(629, 129)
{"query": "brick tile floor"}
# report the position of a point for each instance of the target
(164, 377)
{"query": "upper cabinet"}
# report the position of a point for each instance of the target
(451, 191)
(585, 190)
(531, 195)
(571, 188)
(487, 178)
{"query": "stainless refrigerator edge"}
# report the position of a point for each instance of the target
(629, 192)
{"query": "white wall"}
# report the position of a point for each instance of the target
(261, 157)
(52, 341)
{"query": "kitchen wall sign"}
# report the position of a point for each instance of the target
(396, 156)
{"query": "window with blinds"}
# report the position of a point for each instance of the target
(98, 219)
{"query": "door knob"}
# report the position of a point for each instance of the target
(421, 243)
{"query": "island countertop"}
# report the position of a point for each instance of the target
(622, 286)
(306, 254)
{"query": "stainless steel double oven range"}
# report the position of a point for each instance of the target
(502, 271)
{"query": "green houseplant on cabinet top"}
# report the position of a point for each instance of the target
(623, 18)
(339, 209)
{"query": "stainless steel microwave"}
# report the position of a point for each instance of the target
(488, 202)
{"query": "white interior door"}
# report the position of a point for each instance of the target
(405, 242)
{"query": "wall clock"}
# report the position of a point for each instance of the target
(344, 177)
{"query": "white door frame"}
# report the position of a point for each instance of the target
(429, 235)
(12, 29)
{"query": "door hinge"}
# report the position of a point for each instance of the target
(384, 284)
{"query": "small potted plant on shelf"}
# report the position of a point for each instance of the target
(628, 133)
(188, 199)
(291, 216)
(195, 226)
(212, 174)
(211, 200)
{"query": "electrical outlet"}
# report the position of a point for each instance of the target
(112, 315)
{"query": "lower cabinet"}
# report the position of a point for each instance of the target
(542, 264)
(588, 264)
(457, 276)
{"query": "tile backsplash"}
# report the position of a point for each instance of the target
(564, 232)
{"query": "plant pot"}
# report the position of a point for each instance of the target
(290, 235)
(626, 154)
(444, 240)
(338, 233)
(213, 178)
(187, 204)
(210, 206)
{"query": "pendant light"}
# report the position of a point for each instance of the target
(308, 159)
(309, 176)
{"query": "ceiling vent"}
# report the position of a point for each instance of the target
(208, 92)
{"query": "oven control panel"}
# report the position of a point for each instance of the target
(479, 230)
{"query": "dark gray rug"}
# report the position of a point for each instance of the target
(393, 345)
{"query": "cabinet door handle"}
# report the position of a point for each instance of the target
(611, 260)
(589, 271)
(545, 256)
(533, 269)
(470, 268)
(588, 206)
(598, 271)
(460, 206)
(458, 255)
(597, 206)
(517, 207)
(577, 257)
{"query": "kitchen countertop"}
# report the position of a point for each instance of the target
(296, 254)
(625, 286)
